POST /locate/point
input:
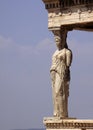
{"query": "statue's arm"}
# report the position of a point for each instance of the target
(68, 58)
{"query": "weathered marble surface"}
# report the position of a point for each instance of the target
(79, 16)
(67, 124)
(60, 75)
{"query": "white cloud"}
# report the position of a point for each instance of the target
(23, 77)
(5, 41)
(7, 44)
(44, 45)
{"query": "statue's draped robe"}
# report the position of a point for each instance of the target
(60, 87)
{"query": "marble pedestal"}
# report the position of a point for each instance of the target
(56, 123)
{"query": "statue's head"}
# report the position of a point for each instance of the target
(58, 41)
(60, 38)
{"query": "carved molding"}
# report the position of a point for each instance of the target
(51, 4)
(72, 16)
(55, 123)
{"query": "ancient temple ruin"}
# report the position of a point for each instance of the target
(65, 16)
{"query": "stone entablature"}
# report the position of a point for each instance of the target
(74, 17)
(65, 3)
(57, 123)
(78, 16)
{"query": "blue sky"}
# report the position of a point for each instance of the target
(26, 48)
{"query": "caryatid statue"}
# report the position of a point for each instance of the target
(60, 75)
